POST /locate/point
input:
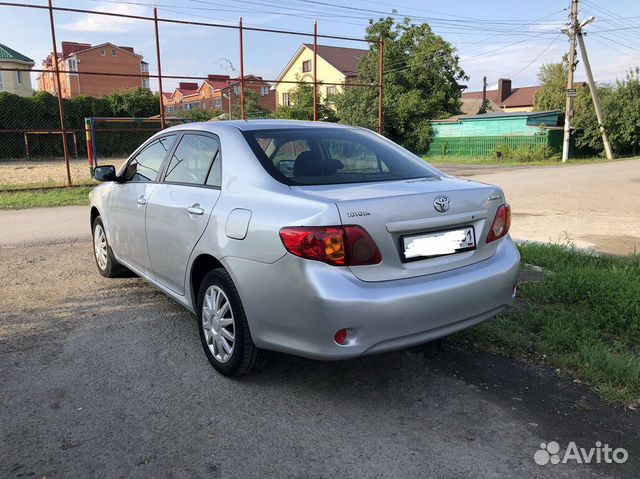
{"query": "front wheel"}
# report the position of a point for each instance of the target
(107, 264)
(223, 326)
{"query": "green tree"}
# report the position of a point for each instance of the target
(553, 81)
(622, 114)
(198, 114)
(421, 83)
(137, 102)
(301, 108)
(585, 124)
(252, 107)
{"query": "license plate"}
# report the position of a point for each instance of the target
(439, 243)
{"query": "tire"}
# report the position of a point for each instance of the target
(102, 253)
(221, 317)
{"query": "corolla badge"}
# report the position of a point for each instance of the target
(441, 203)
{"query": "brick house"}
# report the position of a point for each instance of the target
(76, 58)
(218, 92)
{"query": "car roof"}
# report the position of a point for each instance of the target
(248, 125)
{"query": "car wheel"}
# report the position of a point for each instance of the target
(107, 264)
(223, 326)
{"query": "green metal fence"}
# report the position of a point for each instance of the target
(483, 145)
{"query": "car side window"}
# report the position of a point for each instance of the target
(193, 159)
(146, 165)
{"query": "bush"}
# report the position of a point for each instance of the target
(525, 153)
(40, 112)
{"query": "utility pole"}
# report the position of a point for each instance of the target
(594, 92)
(568, 111)
(483, 107)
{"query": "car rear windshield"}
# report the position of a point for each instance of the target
(328, 156)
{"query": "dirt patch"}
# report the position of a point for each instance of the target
(47, 172)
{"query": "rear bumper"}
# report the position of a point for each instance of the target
(296, 306)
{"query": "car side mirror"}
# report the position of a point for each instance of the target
(105, 173)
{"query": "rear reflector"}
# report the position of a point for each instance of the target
(501, 223)
(334, 245)
(341, 337)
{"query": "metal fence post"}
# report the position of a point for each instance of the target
(60, 102)
(381, 62)
(244, 117)
(87, 136)
(155, 24)
(315, 70)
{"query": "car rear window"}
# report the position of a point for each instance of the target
(326, 156)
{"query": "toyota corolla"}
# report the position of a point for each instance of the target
(314, 239)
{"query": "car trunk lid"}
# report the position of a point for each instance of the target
(391, 211)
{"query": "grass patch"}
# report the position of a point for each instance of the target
(584, 317)
(19, 199)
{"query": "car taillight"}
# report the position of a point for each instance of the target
(334, 245)
(501, 223)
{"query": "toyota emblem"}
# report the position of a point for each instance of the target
(441, 203)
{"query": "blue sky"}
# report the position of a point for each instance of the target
(494, 38)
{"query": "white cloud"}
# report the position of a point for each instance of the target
(102, 23)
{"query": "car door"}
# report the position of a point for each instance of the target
(180, 207)
(128, 200)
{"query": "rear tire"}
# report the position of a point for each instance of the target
(223, 327)
(105, 261)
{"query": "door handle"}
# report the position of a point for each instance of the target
(141, 200)
(195, 210)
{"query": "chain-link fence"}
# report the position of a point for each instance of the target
(80, 85)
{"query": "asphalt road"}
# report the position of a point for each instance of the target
(592, 206)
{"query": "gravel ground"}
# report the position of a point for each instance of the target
(29, 172)
(106, 378)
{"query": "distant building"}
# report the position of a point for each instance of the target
(217, 92)
(18, 82)
(107, 58)
(335, 66)
(507, 98)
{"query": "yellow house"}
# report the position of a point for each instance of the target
(335, 65)
(18, 82)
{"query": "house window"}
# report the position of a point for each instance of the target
(204, 105)
(144, 66)
(188, 106)
(170, 109)
(103, 52)
(72, 65)
(285, 99)
(217, 102)
(19, 77)
(264, 90)
(306, 66)
(114, 53)
(332, 90)
(145, 83)
(1, 83)
(236, 89)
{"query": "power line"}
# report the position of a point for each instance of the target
(538, 56)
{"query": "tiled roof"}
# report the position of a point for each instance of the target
(343, 59)
(523, 96)
(217, 84)
(7, 53)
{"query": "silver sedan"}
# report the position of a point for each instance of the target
(319, 240)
